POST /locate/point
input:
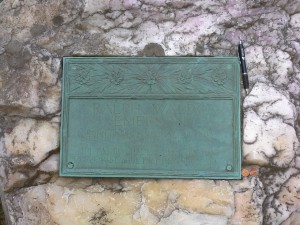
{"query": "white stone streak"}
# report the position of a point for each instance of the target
(256, 63)
(280, 65)
(286, 201)
(177, 38)
(183, 218)
(295, 20)
(33, 138)
(269, 103)
(269, 136)
(51, 164)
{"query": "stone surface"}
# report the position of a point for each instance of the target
(36, 34)
(26, 146)
(249, 197)
(270, 137)
(125, 202)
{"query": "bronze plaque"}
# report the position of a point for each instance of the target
(160, 117)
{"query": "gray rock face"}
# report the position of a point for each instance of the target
(36, 34)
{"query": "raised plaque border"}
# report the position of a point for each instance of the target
(66, 169)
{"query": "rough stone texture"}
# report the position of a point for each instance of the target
(2, 215)
(36, 34)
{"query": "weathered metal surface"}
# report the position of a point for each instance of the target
(166, 117)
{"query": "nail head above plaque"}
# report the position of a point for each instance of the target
(151, 117)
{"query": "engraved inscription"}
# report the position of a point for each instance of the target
(127, 128)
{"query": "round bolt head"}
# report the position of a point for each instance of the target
(229, 167)
(70, 165)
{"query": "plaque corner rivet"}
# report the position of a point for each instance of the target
(70, 165)
(229, 167)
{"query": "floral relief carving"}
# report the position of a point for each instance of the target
(82, 78)
(150, 77)
(154, 78)
(184, 77)
(219, 77)
(116, 77)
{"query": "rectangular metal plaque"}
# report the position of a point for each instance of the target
(160, 117)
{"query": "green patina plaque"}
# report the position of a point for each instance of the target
(160, 117)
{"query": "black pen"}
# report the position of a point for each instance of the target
(243, 65)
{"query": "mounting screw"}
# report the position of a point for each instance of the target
(229, 167)
(70, 165)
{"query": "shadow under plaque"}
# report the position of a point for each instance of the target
(159, 117)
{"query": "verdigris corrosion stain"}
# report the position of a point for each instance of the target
(163, 117)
